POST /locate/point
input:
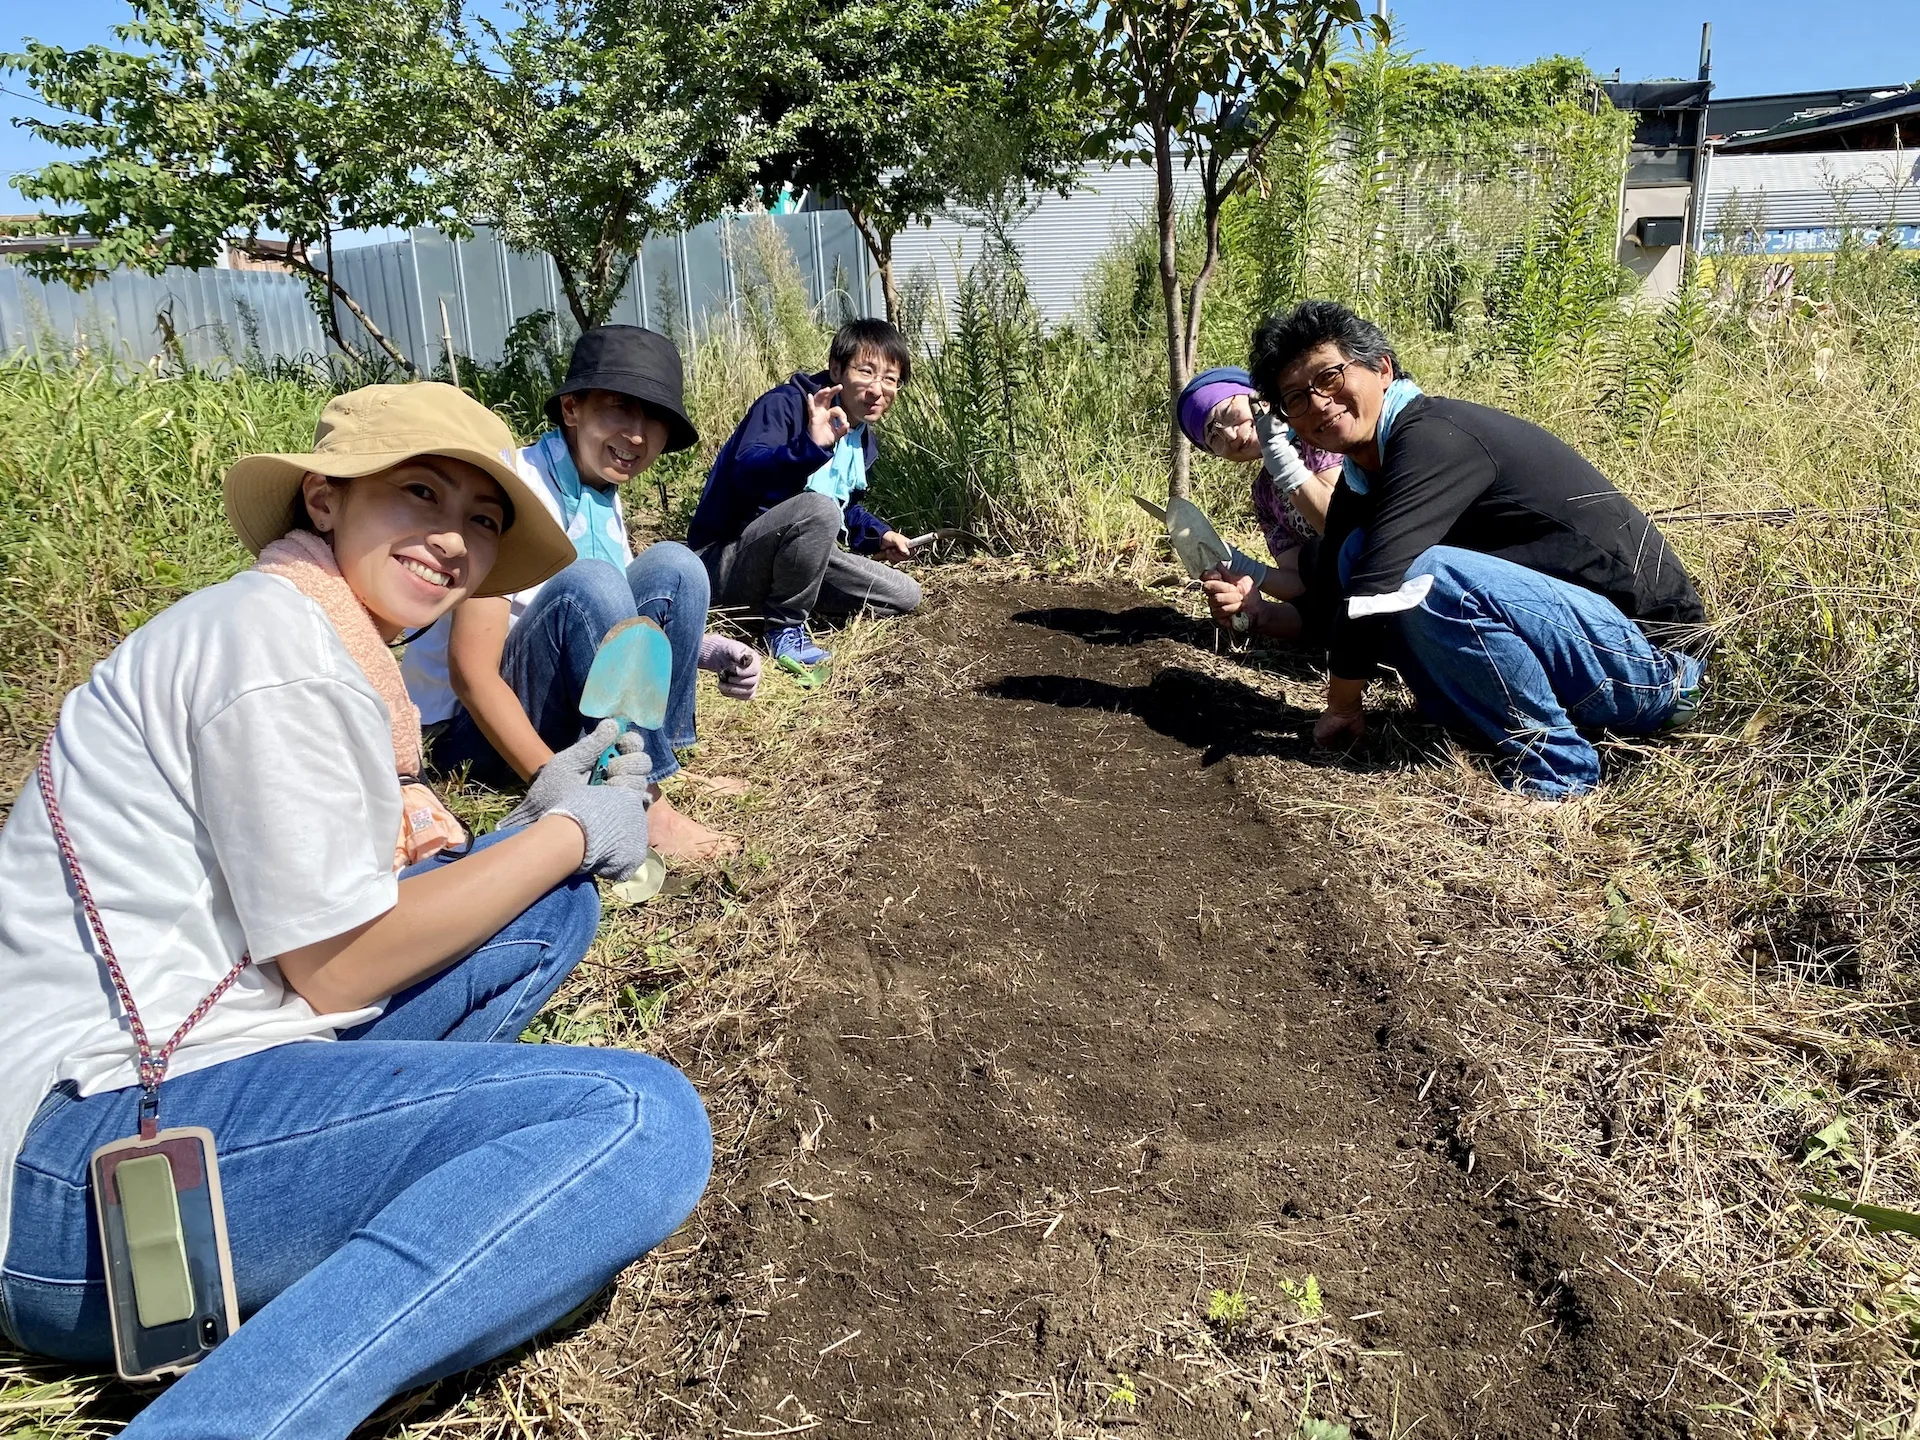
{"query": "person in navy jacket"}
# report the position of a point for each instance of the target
(782, 495)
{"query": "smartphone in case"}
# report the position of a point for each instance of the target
(163, 1230)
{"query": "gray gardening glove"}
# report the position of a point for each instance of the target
(613, 816)
(737, 665)
(614, 820)
(566, 772)
(1244, 564)
(632, 767)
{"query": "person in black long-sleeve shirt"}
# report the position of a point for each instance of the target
(1520, 595)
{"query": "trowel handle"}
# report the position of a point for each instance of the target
(599, 775)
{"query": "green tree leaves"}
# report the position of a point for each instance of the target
(228, 126)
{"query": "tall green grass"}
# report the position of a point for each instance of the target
(110, 510)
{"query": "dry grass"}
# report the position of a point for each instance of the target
(701, 976)
(1693, 994)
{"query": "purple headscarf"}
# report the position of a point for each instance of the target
(1206, 390)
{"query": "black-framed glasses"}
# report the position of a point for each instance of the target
(1326, 385)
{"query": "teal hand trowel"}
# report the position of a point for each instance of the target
(628, 682)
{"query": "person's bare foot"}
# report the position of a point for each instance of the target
(681, 837)
(726, 786)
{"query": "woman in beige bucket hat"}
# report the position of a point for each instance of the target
(230, 783)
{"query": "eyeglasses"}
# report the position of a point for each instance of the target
(1225, 423)
(1326, 385)
(867, 375)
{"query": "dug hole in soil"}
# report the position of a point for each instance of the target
(1094, 1076)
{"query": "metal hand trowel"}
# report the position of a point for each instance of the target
(628, 682)
(1194, 539)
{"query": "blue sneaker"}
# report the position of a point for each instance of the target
(1687, 705)
(793, 650)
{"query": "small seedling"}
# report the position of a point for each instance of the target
(1306, 1295)
(1833, 1141)
(1123, 1393)
(1227, 1310)
(1312, 1428)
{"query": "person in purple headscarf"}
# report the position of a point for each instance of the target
(1222, 413)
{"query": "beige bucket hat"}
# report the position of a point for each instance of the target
(374, 428)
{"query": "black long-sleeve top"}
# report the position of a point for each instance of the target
(1465, 475)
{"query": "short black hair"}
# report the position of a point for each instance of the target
(1279, 340)
(857, 335)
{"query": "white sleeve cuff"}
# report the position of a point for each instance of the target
(1359, 607)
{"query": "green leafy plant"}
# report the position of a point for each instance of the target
(1217, 81)
(901, 108)
(1306, 1295)
(1880, 1218)
(1228, 1310)
(588, 124)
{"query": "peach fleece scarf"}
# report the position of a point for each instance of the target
(300, 556)
(305, 559)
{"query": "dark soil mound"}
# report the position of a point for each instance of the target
(1101, 1077)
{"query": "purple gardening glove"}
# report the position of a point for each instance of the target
(737, 665)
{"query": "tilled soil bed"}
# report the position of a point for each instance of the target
(1103, 1122)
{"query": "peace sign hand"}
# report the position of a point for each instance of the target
(826, 421)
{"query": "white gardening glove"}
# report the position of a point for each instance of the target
(737, 665)
(1283, 462)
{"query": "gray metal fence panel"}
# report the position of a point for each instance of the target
(220, 317)
(685, 285)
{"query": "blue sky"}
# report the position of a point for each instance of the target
(1759, 47)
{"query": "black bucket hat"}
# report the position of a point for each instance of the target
(628, 360)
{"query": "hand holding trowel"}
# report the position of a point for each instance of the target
(1198, 544)
(628, 682)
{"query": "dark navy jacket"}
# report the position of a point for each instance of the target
(770, 458)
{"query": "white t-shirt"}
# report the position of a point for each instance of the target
(424, 666)
(227, 778)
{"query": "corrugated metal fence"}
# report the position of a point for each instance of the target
(684, 284)
(1808, 204)
(216, 317)
(689, 283)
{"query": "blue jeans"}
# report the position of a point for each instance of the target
(1526, 662)
(399, 1208)
(551, 648)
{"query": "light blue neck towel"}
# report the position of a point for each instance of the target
(846, 472)
(591, 513)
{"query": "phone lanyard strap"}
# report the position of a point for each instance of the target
(153, 1066)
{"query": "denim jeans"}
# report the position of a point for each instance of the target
(551, 647)
(399, 1207)
(1526, 662)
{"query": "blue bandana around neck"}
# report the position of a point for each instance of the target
(1391, 404)
(589, 513)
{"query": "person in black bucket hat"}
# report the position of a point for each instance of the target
(498, 682)
(642, 365)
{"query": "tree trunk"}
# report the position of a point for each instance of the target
(570, 287)
(1167, 213)
(338, 291)
(1198, 295)
(880, 246)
